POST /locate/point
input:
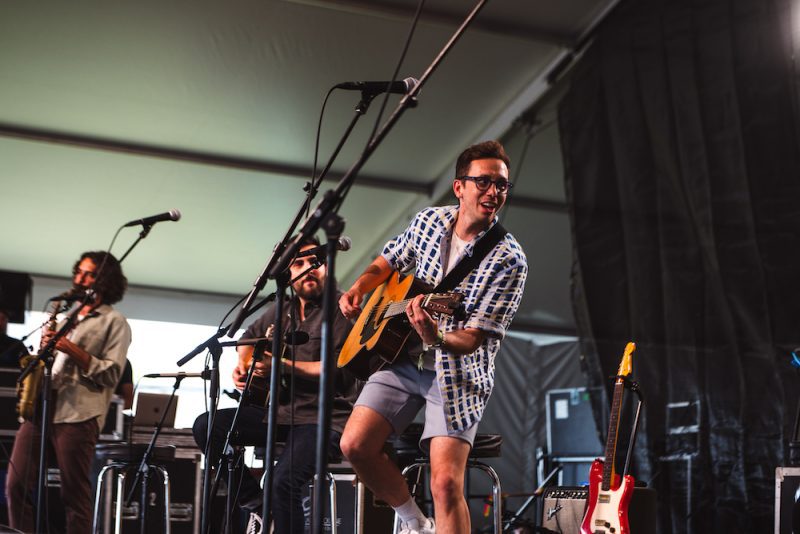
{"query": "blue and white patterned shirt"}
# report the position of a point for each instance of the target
(492, 293)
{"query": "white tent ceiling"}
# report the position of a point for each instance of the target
(111, 111)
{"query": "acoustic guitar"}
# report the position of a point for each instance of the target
(382, 333)
(258, 394)
(610, 494)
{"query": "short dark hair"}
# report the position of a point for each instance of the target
(111, 282)
(310, 240)
(484, 150)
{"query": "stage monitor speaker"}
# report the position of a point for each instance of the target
(357, 510)
(571, 430)
(15, 289)
(563, 509)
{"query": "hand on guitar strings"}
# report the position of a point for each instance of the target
(423, 323)
(263, 367)
(349, 304)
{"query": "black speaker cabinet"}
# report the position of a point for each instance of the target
(563, 509)
(787, 500)
(357, 510)
(15, 289)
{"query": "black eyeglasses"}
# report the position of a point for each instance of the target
(483, 182)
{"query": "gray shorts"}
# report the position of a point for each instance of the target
(399, 391)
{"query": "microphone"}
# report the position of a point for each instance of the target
(175, 375)
(343, 244)
(72, 295)
(375, 88)
(299, 338)
(171, 215)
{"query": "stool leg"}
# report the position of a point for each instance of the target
(165, 478)
(143, 503)
(497, 505)
(332, 492)
(120, 497)
(98, 492)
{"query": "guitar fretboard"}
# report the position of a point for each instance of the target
(393, 308)
(611, 442)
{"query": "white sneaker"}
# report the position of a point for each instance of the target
(413, 526)
(254, 524)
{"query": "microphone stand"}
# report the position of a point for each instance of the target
(286, 251)
(46, 355)
(145, 230)
(143, 472)
(226, 456)
(334, 226)
(334, 198)
(269, 269)
(281, 282)
(213, 345)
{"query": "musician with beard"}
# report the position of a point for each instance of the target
(297, 419)
(87, 366)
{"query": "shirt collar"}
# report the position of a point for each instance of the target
(450, 216)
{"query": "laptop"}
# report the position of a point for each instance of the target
(149, 408)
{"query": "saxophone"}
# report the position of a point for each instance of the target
(28, 389)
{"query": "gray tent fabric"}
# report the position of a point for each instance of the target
(527, 367)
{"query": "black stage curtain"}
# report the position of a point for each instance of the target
(680, 142)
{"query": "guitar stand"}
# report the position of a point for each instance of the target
(633, 386)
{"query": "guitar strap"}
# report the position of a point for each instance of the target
(468, 263)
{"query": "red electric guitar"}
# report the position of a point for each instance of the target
(610, 494)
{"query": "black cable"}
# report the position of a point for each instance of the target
(315, 180)
(401, 59)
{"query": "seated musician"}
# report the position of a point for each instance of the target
(298, 418)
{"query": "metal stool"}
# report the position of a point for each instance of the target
(485, 446)
(125, 458)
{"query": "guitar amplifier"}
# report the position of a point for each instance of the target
(563, 509)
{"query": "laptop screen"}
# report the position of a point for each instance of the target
(149, 408)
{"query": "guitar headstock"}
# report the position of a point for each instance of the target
(445, 303)
(625, 366)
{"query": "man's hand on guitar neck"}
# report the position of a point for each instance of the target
(463, 341)
(426, 326)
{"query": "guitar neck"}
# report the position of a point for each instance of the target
(613, 428)
(394, 309)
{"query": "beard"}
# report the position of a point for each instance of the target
(313, 293)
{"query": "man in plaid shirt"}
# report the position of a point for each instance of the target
(454, 375)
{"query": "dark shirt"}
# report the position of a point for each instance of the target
(306, 390)
(126, 378)
(11, 349)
